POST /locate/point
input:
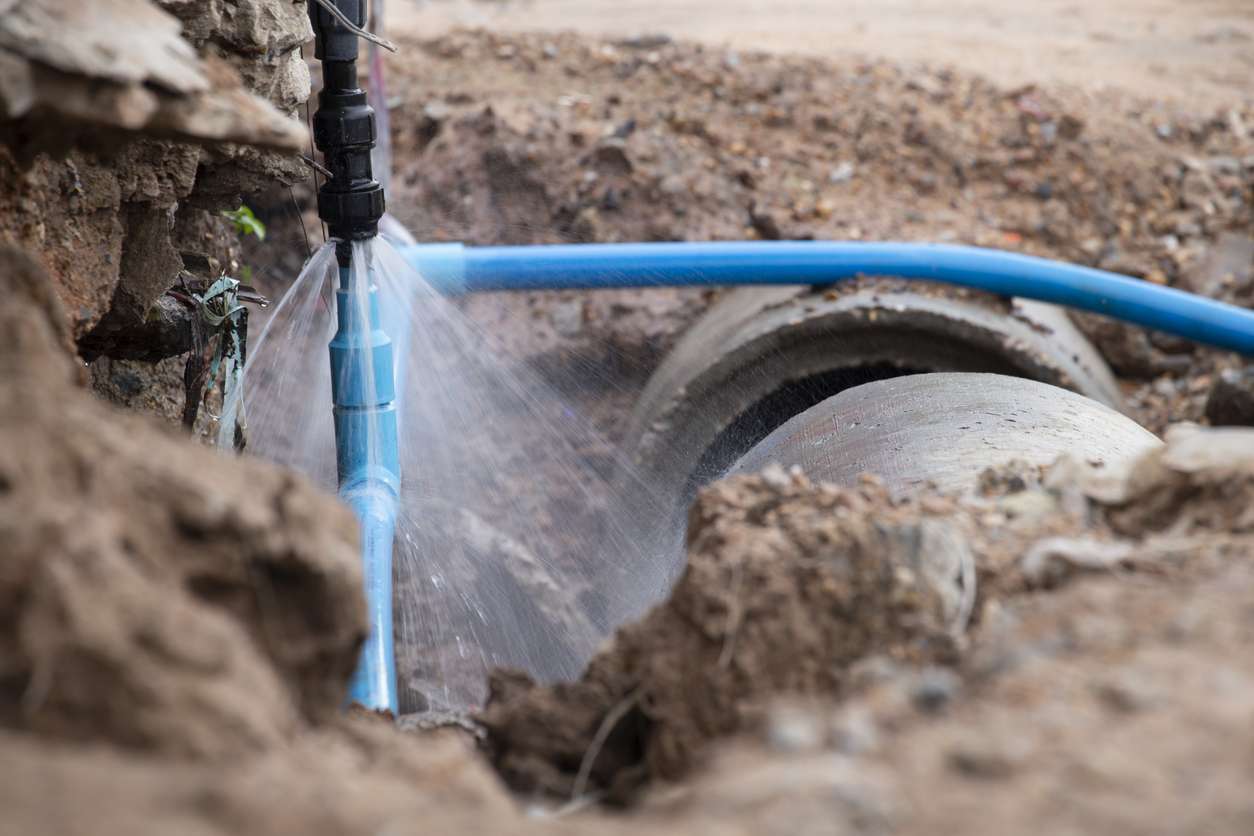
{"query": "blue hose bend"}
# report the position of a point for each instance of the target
(453, 269)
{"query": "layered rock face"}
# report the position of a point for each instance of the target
(126, 125)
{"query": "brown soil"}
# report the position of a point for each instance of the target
(1192, 53)
(181, 627)
(1068, 651)
(829, 579)
(541, 138)
(155, 595)
(791, 586)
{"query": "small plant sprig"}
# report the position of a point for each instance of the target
(245, 222)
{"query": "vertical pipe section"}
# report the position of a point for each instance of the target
(362, 378)
(368, 462)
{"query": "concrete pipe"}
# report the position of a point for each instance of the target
(945, 430)
(762, 355)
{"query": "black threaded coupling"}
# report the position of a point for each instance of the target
(351, 201)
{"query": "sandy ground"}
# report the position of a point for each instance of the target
(1194, 51)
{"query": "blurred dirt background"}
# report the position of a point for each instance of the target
(544, 138)
(1199, 52)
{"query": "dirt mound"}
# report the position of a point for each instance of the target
(1200, 482)
(1127, 693)
(790, 585)
(358, 776)
(152, 593)
(786, 586)
(1117, 704)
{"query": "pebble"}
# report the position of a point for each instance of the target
(988, 760)
(1127, 693)
(934, 689)
(1231, 399)
(854, 731)
(842, 173)
(567, 317)
(794, 729)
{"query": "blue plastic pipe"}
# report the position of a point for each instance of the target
(368, 462)
(455, 269)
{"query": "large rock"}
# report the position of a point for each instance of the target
(153, 593)
(122, 64)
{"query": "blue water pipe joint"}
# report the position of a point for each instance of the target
(368, 464)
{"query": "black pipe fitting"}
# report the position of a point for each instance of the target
(351, 201)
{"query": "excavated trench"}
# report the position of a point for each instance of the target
(178, 628)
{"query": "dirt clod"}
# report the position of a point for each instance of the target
(773, 564)
(154, 594)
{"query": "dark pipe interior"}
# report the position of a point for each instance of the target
(761, 419)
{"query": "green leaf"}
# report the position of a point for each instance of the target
(245, 222)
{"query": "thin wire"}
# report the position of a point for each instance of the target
(317, 166)
(377, 90)
(353, 27)
(301, 217)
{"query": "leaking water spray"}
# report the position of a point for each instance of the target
(496, 618)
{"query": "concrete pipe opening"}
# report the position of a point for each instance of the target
(760, 356)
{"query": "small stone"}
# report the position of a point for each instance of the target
(794, 729)
(842, 173)
(624, 130)
(854, 731)
(1127, 693)
(776, 477)
(1231, 399)
(567, 317)
(610, 157)
(765, 223)
(987, 760)
(934, 689)
(672, 185)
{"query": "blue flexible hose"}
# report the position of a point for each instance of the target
(453, 269)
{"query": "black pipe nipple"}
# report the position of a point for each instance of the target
(351, 201)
